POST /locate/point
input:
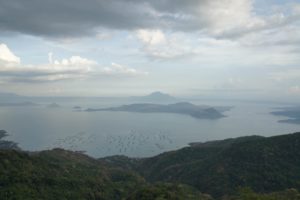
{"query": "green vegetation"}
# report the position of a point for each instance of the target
(247, 168)
(7, 144)
(60, 174)
(165, 191)
(248, 194)
(220, 168)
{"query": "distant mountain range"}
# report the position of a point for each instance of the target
(185, 108)
(155, 97)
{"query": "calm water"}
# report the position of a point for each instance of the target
(133, 134)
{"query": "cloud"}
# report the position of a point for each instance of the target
(219, 18)
(151, 37)
(121, 69)
(159, 45)
(60, 70)
(7, 56)
(73, 68)
(231, 17)
(104, 35)
(75, 61)
(56, 18)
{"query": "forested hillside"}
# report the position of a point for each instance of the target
(233, 169)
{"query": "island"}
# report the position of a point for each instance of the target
(53, 105)
(77, 107)
(292, 112)
(185, 108)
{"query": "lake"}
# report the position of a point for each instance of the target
(132, 134)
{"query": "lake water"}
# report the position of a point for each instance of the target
(132, 134)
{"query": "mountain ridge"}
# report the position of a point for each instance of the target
(265, 164)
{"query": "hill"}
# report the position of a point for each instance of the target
(221, 167)
(246, 168)
(62, 174)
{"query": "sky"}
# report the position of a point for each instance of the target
(246, 49)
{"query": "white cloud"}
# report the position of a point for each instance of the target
(151, 37)
(74, 62)
(158, 45)
(7, 56)
(227, 17)
(120, 69)
(263, 49)
(236, 18)
(274, 34)
(75, 67)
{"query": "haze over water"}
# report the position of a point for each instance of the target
(133, 134)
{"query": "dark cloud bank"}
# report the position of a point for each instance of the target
(56, 18)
